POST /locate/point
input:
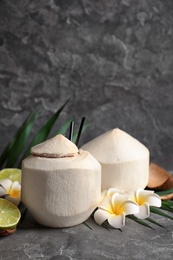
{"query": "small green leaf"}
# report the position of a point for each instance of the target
(159, 212)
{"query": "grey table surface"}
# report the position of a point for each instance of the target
(33, 241)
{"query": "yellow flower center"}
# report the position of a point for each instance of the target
(118, 209)
(141, 200)
(15, 193)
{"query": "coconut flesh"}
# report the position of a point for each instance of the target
(124, 160)
(61, 185)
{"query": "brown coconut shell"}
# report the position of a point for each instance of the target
(6, 232)
(160, 179)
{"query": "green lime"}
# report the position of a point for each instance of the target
(9, 214)
(10, 173)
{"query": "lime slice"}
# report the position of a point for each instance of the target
(9, 214)
(10, 173)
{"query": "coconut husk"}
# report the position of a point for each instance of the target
(6, 232)
(160, 180)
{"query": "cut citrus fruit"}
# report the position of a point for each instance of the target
(9, 214)
(13, 174)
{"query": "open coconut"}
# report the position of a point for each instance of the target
(161, 180)
(61, 185)
(124, 160)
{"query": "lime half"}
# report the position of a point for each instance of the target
(9, 214)
(13, 174)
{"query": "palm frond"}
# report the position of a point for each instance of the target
(139, 221)
(154, 222)
(19, 141)
(160, 212)
(168, 203)
(165, 192)
(167, 208)
(14, 151)
(64, 128)
(86, 224)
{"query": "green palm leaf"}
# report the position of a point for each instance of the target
(159, 212)
(139, 221)
(63, 130)
(167, 208)
(86, 224)
(10, 145)
(154, 222)
(19, 141)
(162, 193)
(168, 203)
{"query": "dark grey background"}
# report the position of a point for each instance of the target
(113, 59)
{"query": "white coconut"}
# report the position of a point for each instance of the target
(124, 160)
(62, 191)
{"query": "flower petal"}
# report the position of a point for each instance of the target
(117, 221)
(100, 216)
(15, 189)
(111, 191)
(144, 211)
(117, 201)
(132, 196)
(6, 183)
(119, 198)
(130, 207)
(142, 196)
(2, 191)
(153, 200)
(105, 204)
(14, 193)
(141, 192)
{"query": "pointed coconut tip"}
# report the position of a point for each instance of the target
(56, 147)
(116, 146)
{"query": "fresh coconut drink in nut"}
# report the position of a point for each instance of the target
(124, 160)
(61, 185)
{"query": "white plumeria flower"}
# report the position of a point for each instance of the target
(10, 190)
(110, 192)
(114, 209)
(145, 199)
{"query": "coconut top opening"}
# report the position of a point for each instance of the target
(116, 146)
(55, 147)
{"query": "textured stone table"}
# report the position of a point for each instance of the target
(32, 241)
